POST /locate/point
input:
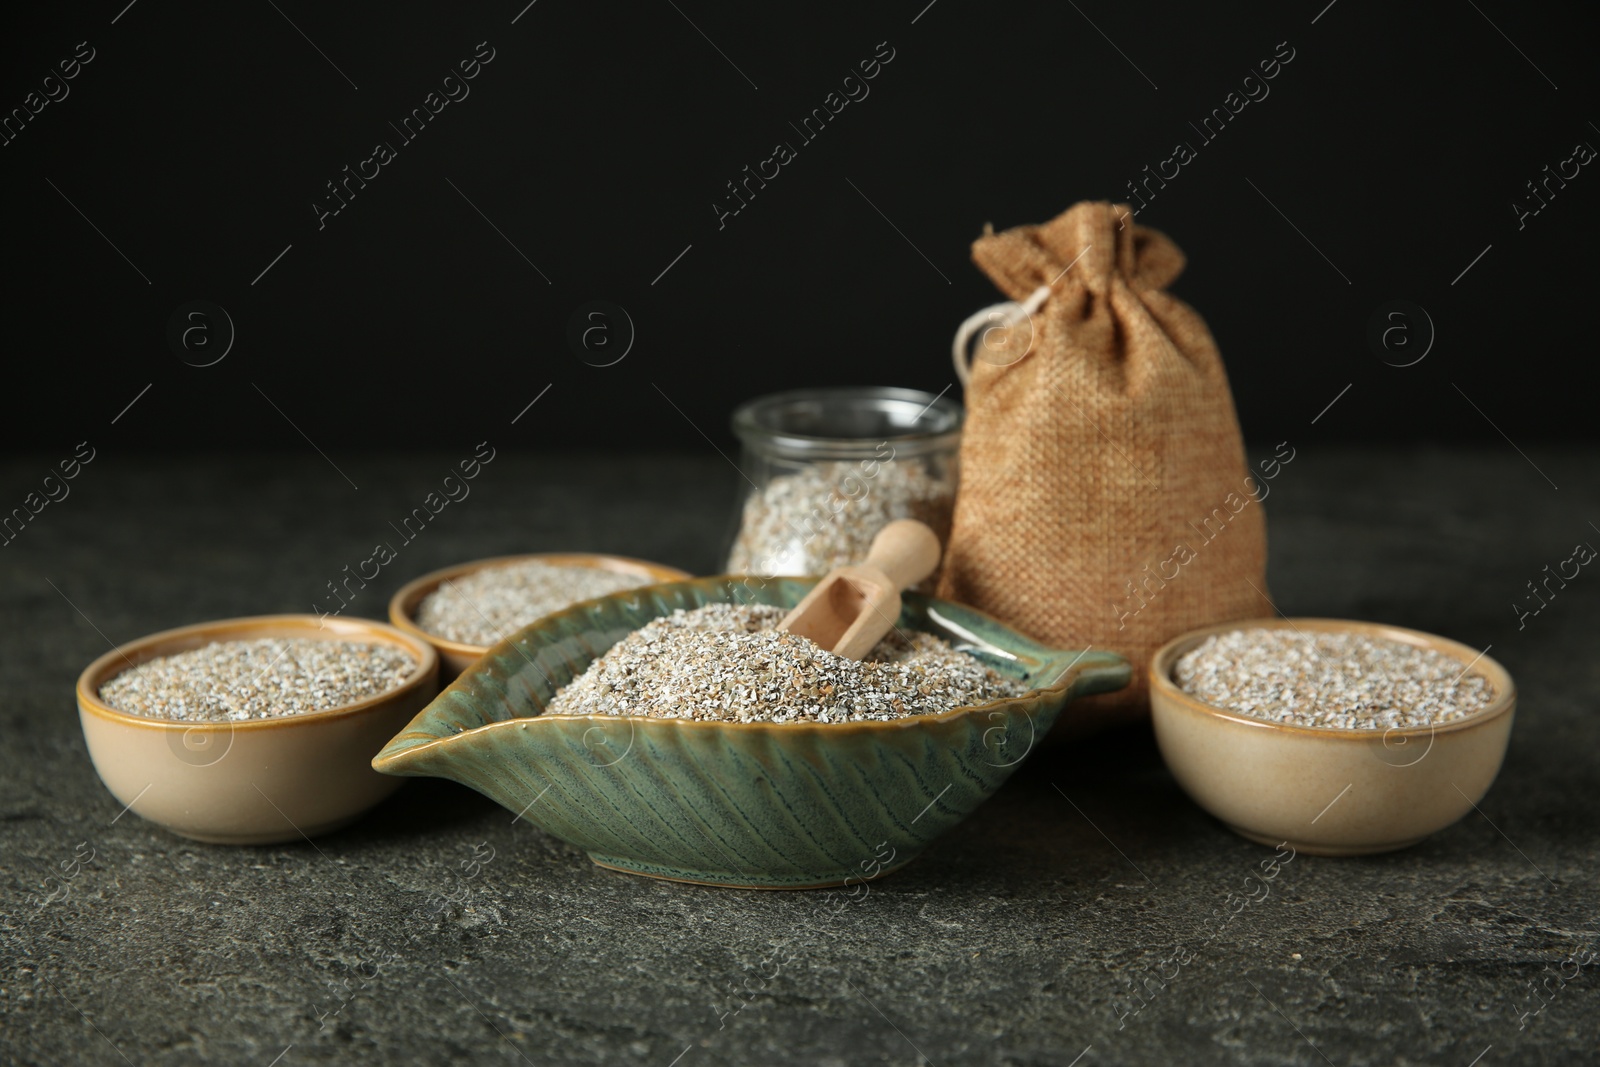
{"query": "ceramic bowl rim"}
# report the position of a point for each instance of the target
(98, 672)
(904, 722)
(403, 605)
(1159, 674)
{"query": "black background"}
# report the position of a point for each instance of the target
(597, 140)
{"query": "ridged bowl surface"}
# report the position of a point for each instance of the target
(766, 805)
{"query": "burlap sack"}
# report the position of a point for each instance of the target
(1104, 499)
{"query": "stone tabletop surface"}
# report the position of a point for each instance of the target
(1043, 930)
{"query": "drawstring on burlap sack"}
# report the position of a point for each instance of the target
(1010, 313)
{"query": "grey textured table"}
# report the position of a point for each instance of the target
(1015, 940)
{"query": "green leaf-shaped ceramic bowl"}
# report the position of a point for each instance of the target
(763, 805)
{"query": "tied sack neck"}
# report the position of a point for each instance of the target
(1079, 259)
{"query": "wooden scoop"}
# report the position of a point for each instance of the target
(851, 609)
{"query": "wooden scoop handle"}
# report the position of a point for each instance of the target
(851, 609)
(906, 551)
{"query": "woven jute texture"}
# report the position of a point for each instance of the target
(1104, 499)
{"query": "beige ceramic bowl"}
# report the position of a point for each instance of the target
(255, 782)
(457, 656)
(1330, 792)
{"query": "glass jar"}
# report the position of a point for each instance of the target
(832, 467)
